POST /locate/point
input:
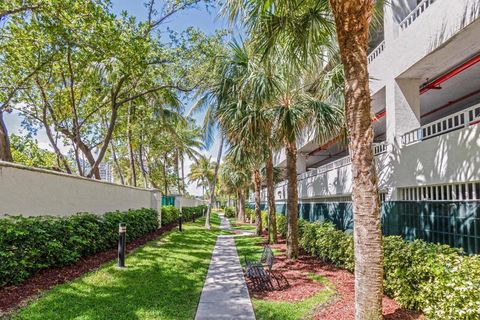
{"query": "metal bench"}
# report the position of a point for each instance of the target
(260, 272)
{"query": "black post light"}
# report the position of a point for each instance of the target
(122, 239)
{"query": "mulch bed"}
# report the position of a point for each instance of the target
(14, 296)
(301, 287)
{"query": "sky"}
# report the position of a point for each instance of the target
(206, 20)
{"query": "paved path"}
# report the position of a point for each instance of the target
(225, 294)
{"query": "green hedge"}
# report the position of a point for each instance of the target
(170, 214)
(249, 214)
(230, 212)
(436, 279)
(188, 213)
(28, 244)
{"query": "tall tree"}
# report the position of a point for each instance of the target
(352, 18)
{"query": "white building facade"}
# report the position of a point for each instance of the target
(425, 88)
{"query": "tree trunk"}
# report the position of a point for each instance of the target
(176, 165)
(241, 206)
(5, 152)
(258, 212)
(292, 200)
(182, 162)
(165, 182)
(214, 182)
(142, 166)
(237, 207)
(272, 215)
(352, 20)
(133, 171)
(115, 160)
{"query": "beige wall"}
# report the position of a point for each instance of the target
(181, 201)
(32, 192)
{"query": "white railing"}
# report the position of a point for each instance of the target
(459, 120)
(378, 148)
(376, 52)
(419, 9)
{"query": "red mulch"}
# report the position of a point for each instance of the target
(14, 296)
(302, 287)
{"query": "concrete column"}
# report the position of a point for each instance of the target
(403, 107)
(301, 162)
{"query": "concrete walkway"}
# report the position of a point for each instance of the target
(225, 294)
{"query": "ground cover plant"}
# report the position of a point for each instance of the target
(163, 280)
(436, 279)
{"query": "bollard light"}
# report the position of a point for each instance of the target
(180, 222)
(122, 239)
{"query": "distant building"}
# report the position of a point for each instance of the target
(106, 172)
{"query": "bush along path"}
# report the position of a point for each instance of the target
(225, 294)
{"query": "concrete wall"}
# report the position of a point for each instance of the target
(181, 201)
(33, 192)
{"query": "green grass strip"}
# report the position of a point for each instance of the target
(163, 280)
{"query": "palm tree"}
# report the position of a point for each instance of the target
(236, 177)
(300, 27)
(352, 19)
(243, 116)
(202, 172)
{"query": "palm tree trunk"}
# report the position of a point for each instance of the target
(241, 206)
(352, 22)
(292, 201)
(176, 165)
(258, 212)
(182, 162)
(5, 152)
(212, 189)
(272, 215)
(237, 206)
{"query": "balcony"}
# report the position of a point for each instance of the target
(456, 121)
(419, 9)
(376, 52)
(378, 148)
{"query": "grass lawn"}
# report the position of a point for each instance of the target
(271, 310)
(241, 226)
(163, 280)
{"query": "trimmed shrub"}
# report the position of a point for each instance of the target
(282, 225)
(230, 212)
(28, 244)
(170, 214)
(265, 219)
(249, 214)
(188, 213)
(433, 278)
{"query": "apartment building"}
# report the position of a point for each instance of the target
(425, 88)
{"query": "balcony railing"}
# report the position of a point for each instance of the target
(453, 122)
(419, 9)
(376, 52)
(378, 148)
